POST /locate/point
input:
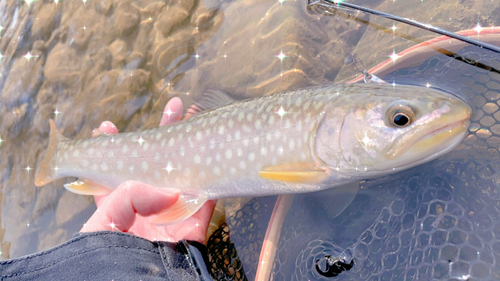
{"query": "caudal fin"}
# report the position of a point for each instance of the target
(44, 172)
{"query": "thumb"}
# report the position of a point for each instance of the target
(117, 211)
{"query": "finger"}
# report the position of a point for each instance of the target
(172, 112)
(106, 127)
(117, 211)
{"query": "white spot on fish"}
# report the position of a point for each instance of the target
(249, 117)
(104, 166)
(158, 136)
(171, 142)
(211, 144)
(182, 150)
(256, 140)
(306, 105)
(85, 163)
(271, 120)
(134, 153)
(245, 142)
(303, 156)
(85, 144)
(243, 165)
(274, 161)
(197, 159)
(230, 123)
(145, 146)
(119, 165)
(291, 144)
(189, 127)
(208, 160)
(119, 141)
(131, 169)
(221, 130)
(180, 136)
(251, 156)
(263, 151)
(232, 171)
(237, 135)
(240, 116)
(125, 148)
(213, 120)
(111, 153)
(144, 166)
(199, 136)
(217, 157)
(258, 124)
(216, 171)
(229, 154)
(163, 141)
(76, 153)
(239, 151)
(298, 101)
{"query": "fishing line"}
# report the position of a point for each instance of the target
(427, 27)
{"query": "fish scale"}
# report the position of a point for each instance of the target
(292, 142)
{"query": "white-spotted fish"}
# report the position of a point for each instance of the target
(291, 142)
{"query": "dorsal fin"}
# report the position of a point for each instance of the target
(209, 99)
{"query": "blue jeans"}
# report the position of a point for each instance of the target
(111, 255)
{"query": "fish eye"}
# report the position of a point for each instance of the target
(401, 119)
(400, 115)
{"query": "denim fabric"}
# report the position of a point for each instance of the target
(111, 255)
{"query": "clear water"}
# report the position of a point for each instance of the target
(122, 61)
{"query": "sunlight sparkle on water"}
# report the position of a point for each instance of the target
(28, 56)
(394, 56)
(281, 56)
(478, 28)
(29, 2)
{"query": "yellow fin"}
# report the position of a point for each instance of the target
(87, 188)
(44, 173)
(184, 208)
(297, 174)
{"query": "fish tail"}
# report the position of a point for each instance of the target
(44, 174)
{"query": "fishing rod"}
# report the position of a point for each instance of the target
(427, 27)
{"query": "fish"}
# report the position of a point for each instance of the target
(291, 142)
(436, 221)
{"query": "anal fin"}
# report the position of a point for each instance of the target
(87, 188)
(184, 208)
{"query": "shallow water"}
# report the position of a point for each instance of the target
(121, 61)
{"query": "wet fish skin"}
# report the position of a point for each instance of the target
(290, 142)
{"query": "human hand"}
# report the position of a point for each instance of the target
(132, 206)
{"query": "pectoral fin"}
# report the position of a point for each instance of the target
(295, 174)
(334, 201)
(184, 208)
(87, 188)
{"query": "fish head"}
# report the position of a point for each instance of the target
(388, 129)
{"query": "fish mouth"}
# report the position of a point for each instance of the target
(430, 144)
